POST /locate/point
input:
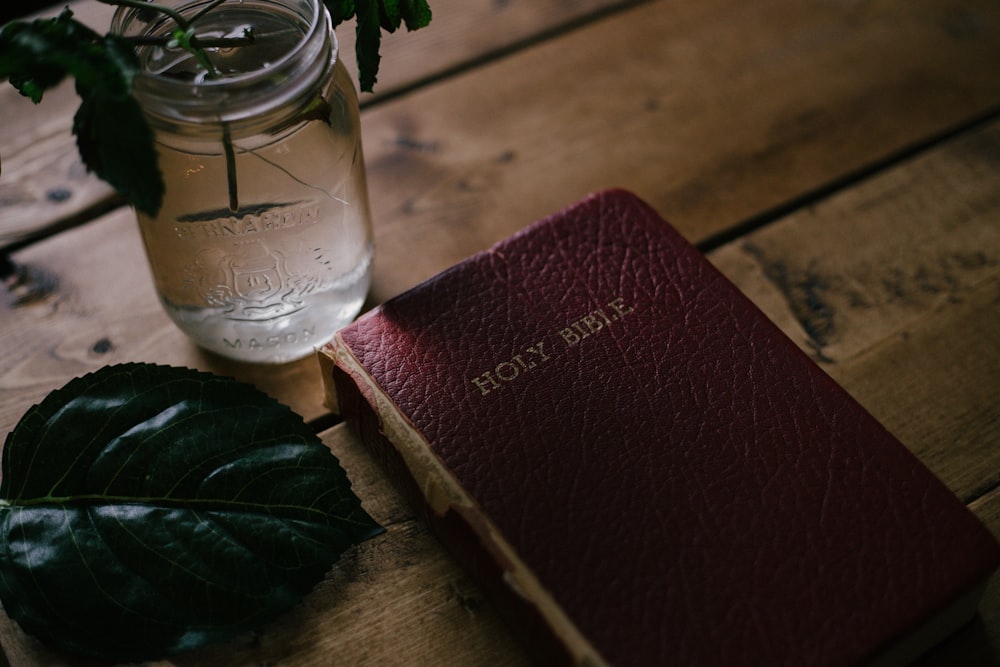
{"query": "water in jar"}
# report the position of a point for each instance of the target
(272, 275)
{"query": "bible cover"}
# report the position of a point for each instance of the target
(639, 468)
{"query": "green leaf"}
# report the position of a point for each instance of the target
(367, 44)
(146, 510)
(113, 136)
(116, 142)
(30, 53)
(340, 10)
(416, 13)
(389, 16)
(373, 17)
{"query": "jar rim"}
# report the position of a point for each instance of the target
(234, 97)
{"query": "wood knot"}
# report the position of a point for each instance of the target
(27, 284)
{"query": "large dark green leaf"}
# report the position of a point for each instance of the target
(146, 510)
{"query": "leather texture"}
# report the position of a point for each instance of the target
(689, 486)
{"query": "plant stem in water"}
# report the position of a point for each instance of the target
(227, 147)
(186, 38)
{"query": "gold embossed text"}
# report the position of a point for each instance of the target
(508, 371)
(532, 357)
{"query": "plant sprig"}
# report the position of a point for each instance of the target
(113, 137)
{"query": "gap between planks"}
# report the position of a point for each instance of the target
(487, 57)
(851, 179)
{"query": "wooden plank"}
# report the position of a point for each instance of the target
(686, 105)
(893, 286)
(871, 260)
(44, 183)
(935, 385)
(909, 242)
(714, 111)
(464, 32)
(442, 184)
(925, 364)
(66, 313)
(55, 334)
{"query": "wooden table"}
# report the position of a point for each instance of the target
(840, 161)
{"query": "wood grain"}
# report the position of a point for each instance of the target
(716, 112)
(44, 185)
(924, 362)
(66, 313)
(442, 184)
(893, 286)
(886, 267)
(464, 33)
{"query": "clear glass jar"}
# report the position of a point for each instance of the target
(263, 246)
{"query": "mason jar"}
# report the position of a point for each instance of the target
(262, 248)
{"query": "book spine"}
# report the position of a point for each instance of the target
(460, 530)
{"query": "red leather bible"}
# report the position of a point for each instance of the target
(639, 468)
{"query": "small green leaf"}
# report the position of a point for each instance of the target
(38, 55)
(367, 44)
(416, 13)
(373, 17)
(340, 10)
(146, 510)
(116, 143)
(113, 136)
(389, 15)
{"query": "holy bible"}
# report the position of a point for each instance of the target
(639, 468)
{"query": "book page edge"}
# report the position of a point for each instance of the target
(442, 492)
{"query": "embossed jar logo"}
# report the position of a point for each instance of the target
(252, 285)
(256, 279)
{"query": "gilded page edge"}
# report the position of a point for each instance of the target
(443, 492)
